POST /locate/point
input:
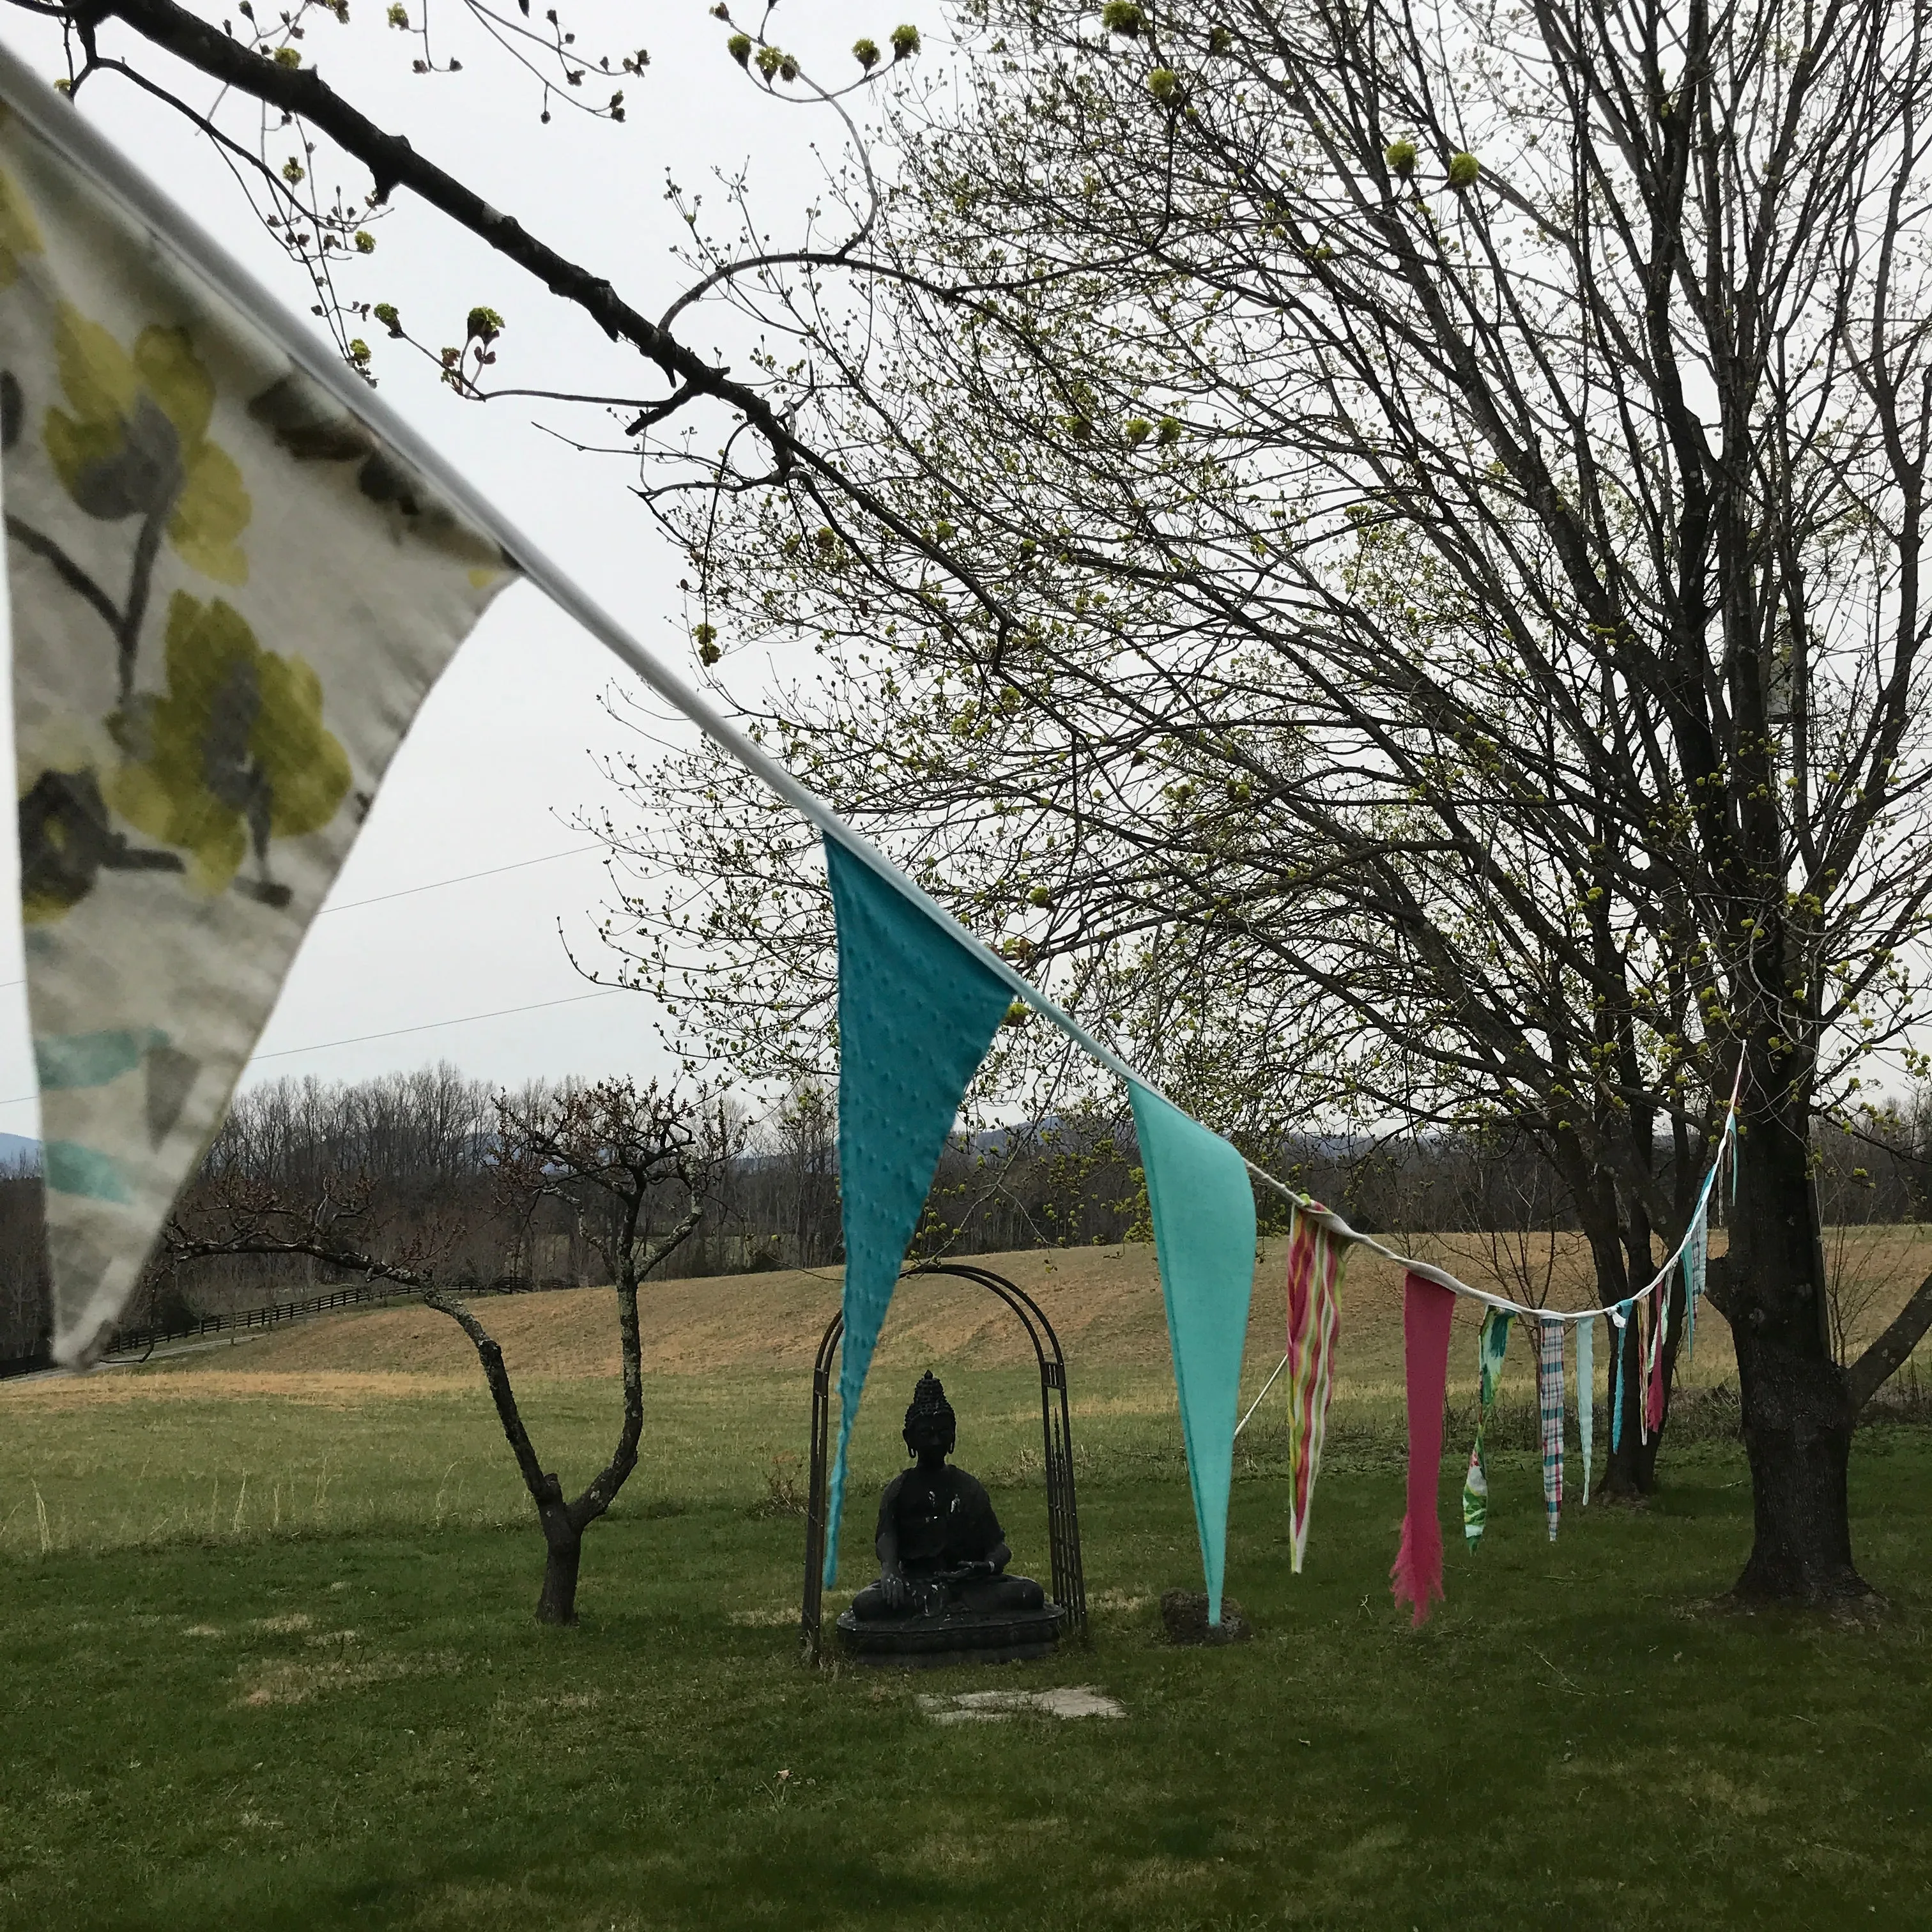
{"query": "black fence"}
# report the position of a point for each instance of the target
(143, 1341)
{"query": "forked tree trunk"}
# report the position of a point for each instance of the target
(1797, 1412)
(563, 1550)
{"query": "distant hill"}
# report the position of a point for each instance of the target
(20, 1150)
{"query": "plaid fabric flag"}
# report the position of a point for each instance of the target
(1315, 1263)
(1549, 1415)
(1491, 1345)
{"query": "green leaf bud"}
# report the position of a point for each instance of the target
(365, 242)
(738, 46)
(866, 53)
(1123, 17)
(385, 313)
(1464, 171)
(905, 42)
(1401, 157)
(1170, 432)
(1163, 83)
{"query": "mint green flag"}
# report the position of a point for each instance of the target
(1203, 1237)
(916, 1012)
(1586, 1394)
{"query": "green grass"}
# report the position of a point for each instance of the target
(352, 1721)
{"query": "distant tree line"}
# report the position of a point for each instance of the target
(419, 1152)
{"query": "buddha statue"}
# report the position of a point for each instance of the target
(941, 1550)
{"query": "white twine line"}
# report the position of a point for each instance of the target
(1257, 1403)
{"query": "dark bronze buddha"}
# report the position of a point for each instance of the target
(941, 1550)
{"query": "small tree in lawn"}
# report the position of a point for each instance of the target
(633, 1166)
(628, 1162)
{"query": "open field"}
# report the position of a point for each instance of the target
(378, 1418)
(270, 1661)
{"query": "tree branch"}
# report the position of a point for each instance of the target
(1886, 1356)
(393, 163)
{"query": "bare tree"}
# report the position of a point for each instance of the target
(1444, 636)
(634, 1164)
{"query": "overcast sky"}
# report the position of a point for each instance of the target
(504, 753)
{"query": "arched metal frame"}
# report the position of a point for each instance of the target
(1063, 1524)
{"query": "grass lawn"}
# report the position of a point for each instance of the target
(323, 1702)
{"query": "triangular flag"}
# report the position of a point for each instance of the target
(1586, 1396)
(228, 598)
(1428, 1309)
(1315, 1265)
(1652, 1412)
(1491, 1344)
(1621, 1328)
(1203, 1207)
(1697, 1261)
(916, 1012)
(1549, 1416)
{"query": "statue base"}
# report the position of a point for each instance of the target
(955, 1637)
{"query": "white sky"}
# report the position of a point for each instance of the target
(503, 753)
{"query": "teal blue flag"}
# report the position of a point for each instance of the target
(916, 1012)
(1203, 1237)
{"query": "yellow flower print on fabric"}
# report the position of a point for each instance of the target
(236, 754)
(137, 443)
(20, 233)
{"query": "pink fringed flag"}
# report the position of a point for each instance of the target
(1426, 1312)
(1315, 1266)
(1660, 1330)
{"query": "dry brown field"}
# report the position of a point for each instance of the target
(1104, 1303)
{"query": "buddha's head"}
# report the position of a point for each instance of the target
(930, 1426)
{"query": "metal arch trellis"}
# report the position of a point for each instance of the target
(1063, 1525)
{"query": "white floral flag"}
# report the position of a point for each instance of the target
(228, 598)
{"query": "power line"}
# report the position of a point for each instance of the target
(427, 1026)
(423, 1026)
(435, 885)
(408, 891)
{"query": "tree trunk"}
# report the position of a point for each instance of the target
(1798, 1435)
(1796, 1411)
(563, 1549)
(1628, 1474)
